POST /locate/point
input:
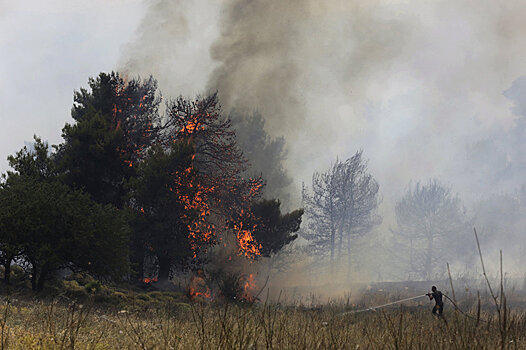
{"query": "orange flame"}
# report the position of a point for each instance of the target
(249, 287)
(206, 194)
(247, 244)
(201, 232)
(190, 127)
(198, 290)
(150, 280)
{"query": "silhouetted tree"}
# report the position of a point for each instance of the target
(273, 229)
(49, 226)
(32, 163)
(164, 194)
(341, 204)
(266, 155)
(431, 223)
(115, 123)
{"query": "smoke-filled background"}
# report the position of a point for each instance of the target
(428, 89)
(421, 86)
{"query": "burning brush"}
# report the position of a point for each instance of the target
(222, 285)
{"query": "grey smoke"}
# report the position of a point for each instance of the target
(429, 89)
(172, 44)
(517, 94)
(414, 83)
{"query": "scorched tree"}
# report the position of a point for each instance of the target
(341, 205)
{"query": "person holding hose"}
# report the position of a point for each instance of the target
(439, 304)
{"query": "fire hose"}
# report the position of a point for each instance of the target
(373, 308)
(464, 313)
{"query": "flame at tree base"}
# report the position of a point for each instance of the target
(150, 280)
(249, 287)
(202, 289)
(198, 289)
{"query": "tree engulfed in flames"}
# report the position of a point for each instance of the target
(135, 111)
(200, 230)
(219, 187)
(214, 194)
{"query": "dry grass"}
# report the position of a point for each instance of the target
(59, 325)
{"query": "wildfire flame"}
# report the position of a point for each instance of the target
(249, 287)
(201, 231)
(150, 280)
(245, 239)
(190, 127)
(198, 290)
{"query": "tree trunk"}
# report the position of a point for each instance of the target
(340, 245)
(411, 262)
(41, 280)
(349, 262)
(429, 260)
(138, 265)
(164, 268)
(341, 229)
(332, 252)
(34, 279)
(7, 271)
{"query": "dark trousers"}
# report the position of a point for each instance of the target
(438, 308)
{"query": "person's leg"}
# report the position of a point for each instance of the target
(434, 312)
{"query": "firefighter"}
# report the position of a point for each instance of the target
(439, 304)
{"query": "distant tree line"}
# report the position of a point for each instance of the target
(130, 184)
(341, 207)
(432, 229)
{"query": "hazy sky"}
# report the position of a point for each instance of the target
(48, 49)
(415, 83)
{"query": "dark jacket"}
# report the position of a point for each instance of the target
(437, 296)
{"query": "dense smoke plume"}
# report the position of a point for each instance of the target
(428, 89)
(172, 44)
(414, 83)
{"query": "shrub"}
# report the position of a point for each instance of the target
(81, 278)
(144, 297)
(18, 274)
(74, 290)
(93, 287)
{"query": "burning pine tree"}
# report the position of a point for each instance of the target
(181, 173)
(225, 196)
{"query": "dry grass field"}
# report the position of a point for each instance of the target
(61, 324)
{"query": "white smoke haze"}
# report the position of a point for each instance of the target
(47, 50)
(414, 83)
(422, 86)
(172, 44)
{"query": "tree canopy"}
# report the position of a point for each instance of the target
(47, 225)
(431, 221)
(340, 206)
(129, 185)
(273, 228)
